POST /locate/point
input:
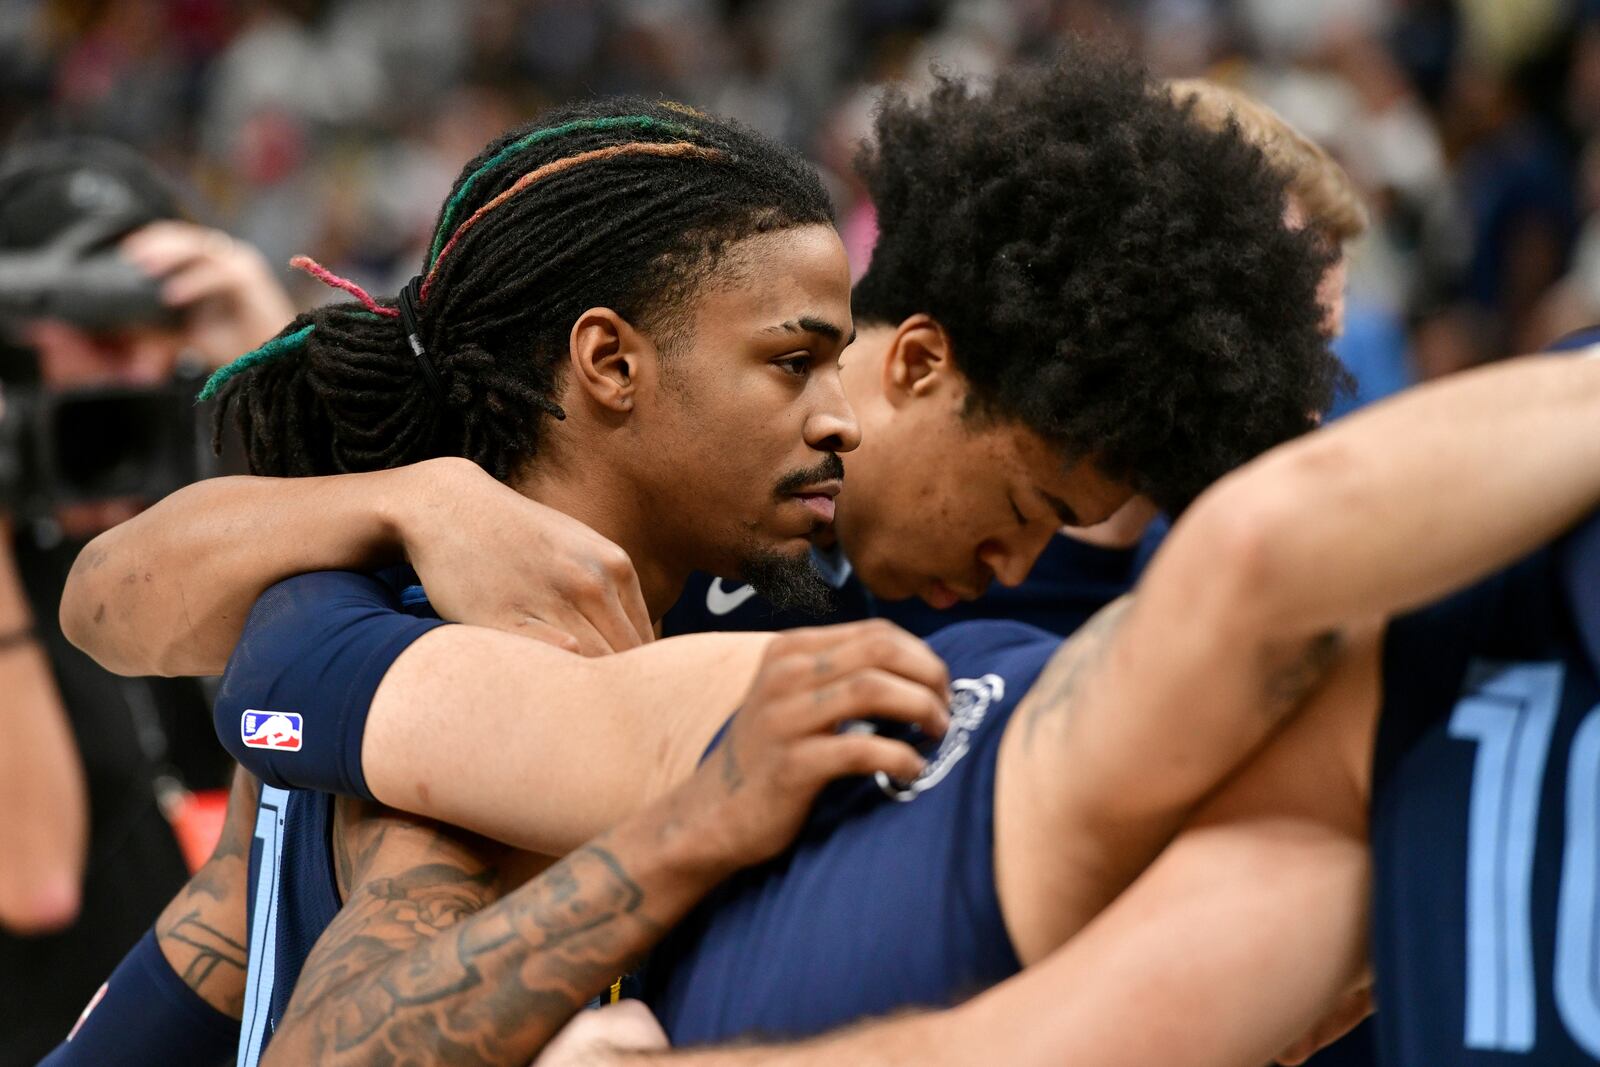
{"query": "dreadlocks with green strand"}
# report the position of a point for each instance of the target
(621, 203)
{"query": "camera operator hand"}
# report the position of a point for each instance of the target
(232, 301)
(485, 554)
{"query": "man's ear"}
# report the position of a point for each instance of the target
(919, 361)
(610, 359)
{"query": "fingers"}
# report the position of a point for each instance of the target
(198, 280)
(610, 618)
(632, 597)
(631, 1025)
(835, 651)
(844, 755)
(873, 693)
(574, 629)
(540, 630)
(162, 247)
(591, 587)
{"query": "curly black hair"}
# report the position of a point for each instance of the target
(622, 203)
(1111, 274)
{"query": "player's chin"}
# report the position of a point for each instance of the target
(791, 531)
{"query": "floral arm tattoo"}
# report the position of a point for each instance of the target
(429, 963)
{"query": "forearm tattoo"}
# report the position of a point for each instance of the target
(201, 932)
(428, 967)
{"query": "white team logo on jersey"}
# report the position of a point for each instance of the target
(271, 729)
(720, 601)
(969, 703)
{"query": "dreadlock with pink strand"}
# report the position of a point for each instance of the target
(620, 203)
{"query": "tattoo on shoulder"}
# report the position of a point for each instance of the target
(1075, 661)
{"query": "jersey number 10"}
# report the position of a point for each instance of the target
(1511, 713)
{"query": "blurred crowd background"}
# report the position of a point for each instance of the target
(334, 127)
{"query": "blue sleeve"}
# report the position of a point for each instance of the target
(145, 1014)
(294, 700)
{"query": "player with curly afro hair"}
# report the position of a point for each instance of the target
(1078, 294)
(1081, 294)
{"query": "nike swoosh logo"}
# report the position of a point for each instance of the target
(720, 601)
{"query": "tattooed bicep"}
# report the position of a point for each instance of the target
(404, 880)
(1053, 697)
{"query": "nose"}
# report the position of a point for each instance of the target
(1010, 558)
(832, 426)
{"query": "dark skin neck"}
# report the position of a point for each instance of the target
(601, 501)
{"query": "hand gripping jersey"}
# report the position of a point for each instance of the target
(314, 647)
(1486, 822)
(886, 900)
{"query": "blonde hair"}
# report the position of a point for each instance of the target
(1320, 185)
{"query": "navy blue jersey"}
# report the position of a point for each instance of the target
(707, 604)
(887, 898)
(1070, 582)
(313, 647)
(1486, 822)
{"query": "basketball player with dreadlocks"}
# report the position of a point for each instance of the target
(1027, 822)
(1001, 392)
(665, 370)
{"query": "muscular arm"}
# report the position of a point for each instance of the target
(428, 963)
(1245, 931)
(1248, 602)
(168, 591)
(540, 748)
(202, 931)
(424, 962)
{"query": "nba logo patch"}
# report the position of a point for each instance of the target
(271, 729)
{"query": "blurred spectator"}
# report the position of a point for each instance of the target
(332, 126)
(1470, 128)
(103, 291)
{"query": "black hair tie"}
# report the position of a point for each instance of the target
(408, 322)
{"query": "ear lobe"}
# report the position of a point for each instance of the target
(606, 355)
(919, 359)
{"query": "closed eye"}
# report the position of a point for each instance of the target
(798, 365)
(1022, 520)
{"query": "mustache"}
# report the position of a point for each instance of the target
(830, 468)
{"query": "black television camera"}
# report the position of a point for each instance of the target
(100, 443)
(64, 206)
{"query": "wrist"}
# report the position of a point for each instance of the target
(411, 501)
(682, 842)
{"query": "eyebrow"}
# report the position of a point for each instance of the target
(811, 324)
(1062, 509)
